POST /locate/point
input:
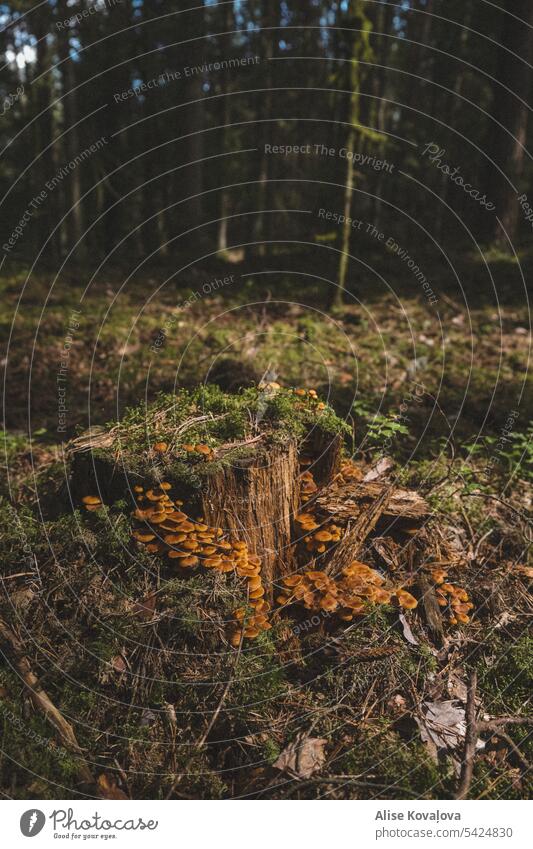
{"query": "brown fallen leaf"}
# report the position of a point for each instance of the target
(304, 756)
(145, 608)
(118, 663)
(108, 787)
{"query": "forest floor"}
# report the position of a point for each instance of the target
(444, 391)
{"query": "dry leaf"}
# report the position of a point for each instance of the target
(118, 663)
(408, 634)
(304, 756)
(379, 469)
(145, 608)
(443, 726)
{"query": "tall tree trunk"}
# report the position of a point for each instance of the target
(508, 110)
(71, 145)
(222, 234)
(359, 50)
(47, 217)
(270, 18)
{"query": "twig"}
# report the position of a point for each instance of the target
(493, 724)
(345, 781)
(467, 767)
(42, 701)
(514, 748)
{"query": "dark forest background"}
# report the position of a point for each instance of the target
(183, 169)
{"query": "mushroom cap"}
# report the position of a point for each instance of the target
(406, 600)
(313, 575)
(235, 639)
(157, 518)
(322, 536)
(177, 516)
(328, 603)
(382, 596)
(292, 580)
(201, 448)
(140, 537)
(91, 500)
(302, 518)
(251, 633)
(258, 593)
(212, 562)
(138, 488)
(160, 447)
(189, 561)
(346, 615)
(254, 582)
(174, 539)
(154, 496)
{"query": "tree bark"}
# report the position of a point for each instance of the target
(256, 502)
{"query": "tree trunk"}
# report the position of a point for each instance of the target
(359, 49)
(71, 146)
(507, 148)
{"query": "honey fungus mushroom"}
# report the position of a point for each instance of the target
(92, 502)
(187, 543)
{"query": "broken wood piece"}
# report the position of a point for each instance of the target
(346, 501)
(430, 608)
(357, 531)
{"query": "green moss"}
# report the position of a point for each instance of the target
(382, 755)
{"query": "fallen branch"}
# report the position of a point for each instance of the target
(467, 767)
(41, 701)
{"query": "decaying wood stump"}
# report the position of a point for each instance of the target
(256, 497)
(257, 501)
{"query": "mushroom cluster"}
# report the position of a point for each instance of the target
(452, 597)
(248, 625)
(199, 448)
(317, 537)
(350, 471)
(92, 503)
(310, 395)
(163, 528)
(308, 486)
(348, 596)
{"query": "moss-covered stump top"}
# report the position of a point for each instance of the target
(188, 436)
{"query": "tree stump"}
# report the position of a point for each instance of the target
(256, 501)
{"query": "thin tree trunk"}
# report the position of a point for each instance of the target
(508, 110)
(71, 146)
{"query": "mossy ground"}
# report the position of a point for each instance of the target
(115, 674)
